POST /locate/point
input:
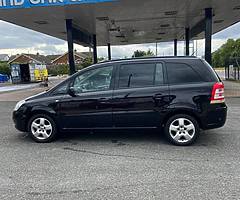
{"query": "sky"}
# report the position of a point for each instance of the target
(16, 40)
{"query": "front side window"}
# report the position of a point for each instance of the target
(62, 89)
(93, 80)
(136, 75)
(180, 73)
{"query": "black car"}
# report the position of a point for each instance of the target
(179, 95)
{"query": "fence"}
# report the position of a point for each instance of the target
(232, 72)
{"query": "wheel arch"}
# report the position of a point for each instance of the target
(41, 110)
(189, 112)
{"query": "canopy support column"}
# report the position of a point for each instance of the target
(109, 52)
(187, 39)
(95, 49)
(71, 62)
(208, 35)
(175, 47)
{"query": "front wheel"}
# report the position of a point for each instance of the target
(182, 130)
(42, 128)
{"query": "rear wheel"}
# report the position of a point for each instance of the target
(42, 128)
(182, 130)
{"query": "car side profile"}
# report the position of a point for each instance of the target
(179, 95)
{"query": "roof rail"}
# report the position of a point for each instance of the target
(146, 58)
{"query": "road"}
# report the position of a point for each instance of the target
(120, 165)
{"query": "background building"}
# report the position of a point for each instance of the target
(4, 57)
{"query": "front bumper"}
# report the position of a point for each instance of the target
(20, 120)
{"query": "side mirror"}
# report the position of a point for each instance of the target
(71, 91)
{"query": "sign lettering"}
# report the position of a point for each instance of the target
(13, 4)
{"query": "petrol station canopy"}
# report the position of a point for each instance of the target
(121, 22)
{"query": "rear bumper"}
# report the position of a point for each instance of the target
(215, 118)
(20, 121)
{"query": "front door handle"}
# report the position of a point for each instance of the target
(103, 100)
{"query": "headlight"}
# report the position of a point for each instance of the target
(19, 104)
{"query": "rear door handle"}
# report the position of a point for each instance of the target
(158, 97)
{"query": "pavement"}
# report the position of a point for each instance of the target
(31, 89)
(8, 87)
(232, 88)
(118, 165)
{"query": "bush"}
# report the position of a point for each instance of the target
(58, 70)
(87, 62)
(64, 69)
(5, 68)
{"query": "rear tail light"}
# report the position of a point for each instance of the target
(218, 93)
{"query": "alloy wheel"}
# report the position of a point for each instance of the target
(41, 128)
(182, 130)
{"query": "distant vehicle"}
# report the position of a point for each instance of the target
(3, 78)
(179, 95)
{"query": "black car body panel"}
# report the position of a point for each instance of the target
(128, 107)
(140, 107)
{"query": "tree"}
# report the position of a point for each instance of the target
(227, 52)
(149, 53)
(140, 53)
(235, 56)
(89, 61)
(5, 68)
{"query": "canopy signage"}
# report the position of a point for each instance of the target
(8, 4)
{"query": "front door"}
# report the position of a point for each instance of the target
(91, 105)
(141, 96)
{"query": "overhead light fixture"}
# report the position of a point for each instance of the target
(40, 22)
(120, 36)
(169, 13)
(158, 39)
(139, 33)
(114, 29)
(161, 33)
(102, 18)
(218, 21)
(165, 25)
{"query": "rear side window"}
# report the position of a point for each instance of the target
(180, 73)
(137, 75)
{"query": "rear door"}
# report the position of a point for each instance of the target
(188, 86)
(141, 95)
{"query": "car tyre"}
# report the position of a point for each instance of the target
(42, 128)
(182, 130)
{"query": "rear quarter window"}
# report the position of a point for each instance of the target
(210, 72)
(181, 73)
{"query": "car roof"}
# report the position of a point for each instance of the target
(175, 58)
